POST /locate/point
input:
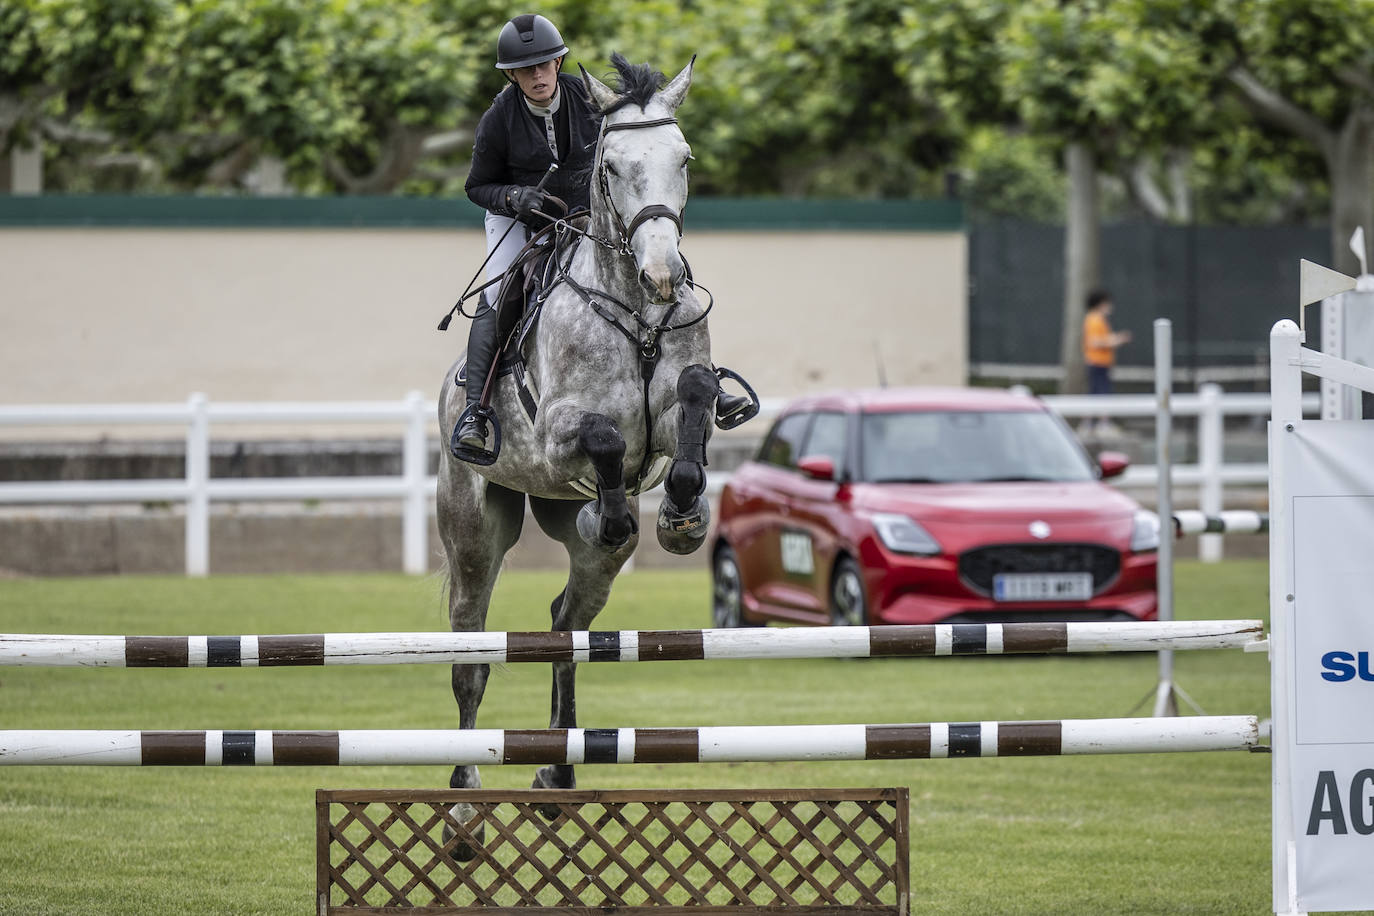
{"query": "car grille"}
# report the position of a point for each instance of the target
(977, 567)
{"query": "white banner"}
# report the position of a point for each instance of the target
(1328, 485)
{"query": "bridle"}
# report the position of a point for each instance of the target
(652, 211)
(642, 334)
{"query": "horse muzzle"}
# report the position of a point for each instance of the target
(661, 286)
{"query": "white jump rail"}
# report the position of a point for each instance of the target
(714, 744)
(54, 650)
(415, 488)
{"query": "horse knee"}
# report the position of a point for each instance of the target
(697, 386)
(601, 441)
(601, 438)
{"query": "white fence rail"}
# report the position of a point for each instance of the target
(415, 488)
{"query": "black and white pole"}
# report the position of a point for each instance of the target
(712, 744)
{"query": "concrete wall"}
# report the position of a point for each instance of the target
(152, 314)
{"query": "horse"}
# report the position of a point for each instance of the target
(619, 363)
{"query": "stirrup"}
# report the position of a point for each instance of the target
(468, 453)
(739, 417)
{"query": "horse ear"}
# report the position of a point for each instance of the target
(676, 91)
(602, 96)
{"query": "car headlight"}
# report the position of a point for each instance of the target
(902, 534)
(1145, 532)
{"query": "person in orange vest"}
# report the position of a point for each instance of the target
(1099, 350)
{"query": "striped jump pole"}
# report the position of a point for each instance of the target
(1238, 521)
(734, 744)
(49, 650)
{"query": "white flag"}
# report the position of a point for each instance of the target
(1357, 246)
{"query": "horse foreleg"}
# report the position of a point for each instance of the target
(607, 523)
(478, 523)
(591, 571)
(685, 513)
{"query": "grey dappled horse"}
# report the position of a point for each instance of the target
(626, 304)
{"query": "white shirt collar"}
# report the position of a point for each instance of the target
(548, 112)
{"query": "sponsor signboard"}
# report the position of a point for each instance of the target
(1324, 802)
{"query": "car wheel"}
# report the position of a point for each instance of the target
(848, 599)
(727, 608)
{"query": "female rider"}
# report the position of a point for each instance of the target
(542, 118)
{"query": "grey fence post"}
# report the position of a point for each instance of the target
(414, 461)
(198, 487)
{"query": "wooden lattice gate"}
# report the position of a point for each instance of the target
(701, 851)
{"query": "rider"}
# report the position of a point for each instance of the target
(542, 118)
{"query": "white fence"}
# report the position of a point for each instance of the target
(415, 488)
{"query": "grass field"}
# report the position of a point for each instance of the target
(1164, 833)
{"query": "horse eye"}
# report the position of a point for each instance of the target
(610, 169)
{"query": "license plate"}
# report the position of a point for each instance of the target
(1042, 586)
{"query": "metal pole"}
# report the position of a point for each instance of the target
(1209, 458)
(1165, 705)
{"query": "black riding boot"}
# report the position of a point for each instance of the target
(484, 339)
(730, 406)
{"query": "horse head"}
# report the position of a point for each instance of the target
(640, 185)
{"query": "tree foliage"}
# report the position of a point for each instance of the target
(1241, 102)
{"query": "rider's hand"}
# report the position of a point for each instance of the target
(525, 201)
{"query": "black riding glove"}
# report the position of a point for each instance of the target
(524, 201)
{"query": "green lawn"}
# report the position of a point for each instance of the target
(1163, 833)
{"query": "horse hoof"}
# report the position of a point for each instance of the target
(464, 850)
(593, 528)
(683, 532)
(545, 778)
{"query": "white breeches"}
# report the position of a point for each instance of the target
(504, 251)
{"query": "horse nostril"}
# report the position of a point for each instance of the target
(644, 280)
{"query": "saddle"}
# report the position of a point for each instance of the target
(522, 289)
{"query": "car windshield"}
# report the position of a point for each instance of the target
(969, 447)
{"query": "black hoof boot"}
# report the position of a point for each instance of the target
(600, 530)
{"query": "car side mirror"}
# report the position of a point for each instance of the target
(1112, 464)
(817, 467)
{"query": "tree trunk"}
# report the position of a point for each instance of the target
(1081, 262)
(26, 168)
(1351, 168)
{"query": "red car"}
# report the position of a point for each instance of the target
(929, 506)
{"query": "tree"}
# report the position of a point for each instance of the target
(792, 99)
(60, 60)
(1308, 69)
(326, 95)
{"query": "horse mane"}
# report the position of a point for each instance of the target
(637, 83)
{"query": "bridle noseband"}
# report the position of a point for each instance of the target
(652, 211)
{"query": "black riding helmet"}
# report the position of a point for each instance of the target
(528, 40)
